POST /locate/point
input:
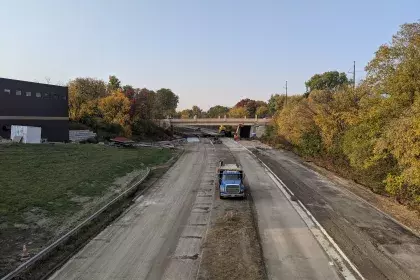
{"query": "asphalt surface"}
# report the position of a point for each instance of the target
(160, 236)
(290, 249)
(379, 247)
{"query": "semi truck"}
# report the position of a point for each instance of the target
(230, 180)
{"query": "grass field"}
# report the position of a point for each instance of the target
(47, 189)
(48, 177)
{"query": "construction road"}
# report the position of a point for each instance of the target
(290, 249)
(161, 235)
(377, 245)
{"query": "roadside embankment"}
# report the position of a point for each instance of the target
(48, 189)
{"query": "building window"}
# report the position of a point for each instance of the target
(7, 91)
(28, 93)
(18, 92)
(38, 94)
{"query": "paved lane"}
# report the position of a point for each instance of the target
(290, 249)
(379, 247)
(160, 236)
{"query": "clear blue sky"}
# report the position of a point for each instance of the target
(208, 52)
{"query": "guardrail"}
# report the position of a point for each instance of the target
(62, 239)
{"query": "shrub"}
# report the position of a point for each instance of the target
(310, 144)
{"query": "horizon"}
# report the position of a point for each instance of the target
(208, 53)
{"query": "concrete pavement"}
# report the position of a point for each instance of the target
(290, 249)
(160, 236)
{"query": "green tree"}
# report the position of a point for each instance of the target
(113, 83)
(331, 80)
(166, 102)
(145, 104)
(216, 111)
(187, 114)
(196, 111)
(276, 103)
(262, 111)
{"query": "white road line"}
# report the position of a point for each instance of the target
(214, 148)
(323, 238)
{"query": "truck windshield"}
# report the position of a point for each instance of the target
(231, 177)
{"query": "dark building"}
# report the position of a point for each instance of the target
(34, 104)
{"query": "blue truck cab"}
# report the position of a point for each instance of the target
(230, 178)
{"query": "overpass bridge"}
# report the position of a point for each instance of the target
(248, 126)
(220, 121)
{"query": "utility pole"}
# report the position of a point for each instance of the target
(354, 74)
(286, 92)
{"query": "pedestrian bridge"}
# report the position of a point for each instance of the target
(220, 121)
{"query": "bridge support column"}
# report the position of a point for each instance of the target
(259, 130)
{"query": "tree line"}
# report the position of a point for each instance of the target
(118, 109)
(371, 132)
(244, 108)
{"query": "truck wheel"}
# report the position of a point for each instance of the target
(221, 197)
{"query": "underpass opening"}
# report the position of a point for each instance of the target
(245, 131)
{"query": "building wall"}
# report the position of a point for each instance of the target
(34, 104)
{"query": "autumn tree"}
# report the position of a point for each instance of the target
(296, 124)
(262, 111)
(115, 108)
(250, 106)
(237, 112)
(84, 94)
(128, 91)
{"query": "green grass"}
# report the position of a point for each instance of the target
(46, 176)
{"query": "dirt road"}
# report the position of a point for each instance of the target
(160, 236)
(290, 249)
(379, 247)
(232, 249)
